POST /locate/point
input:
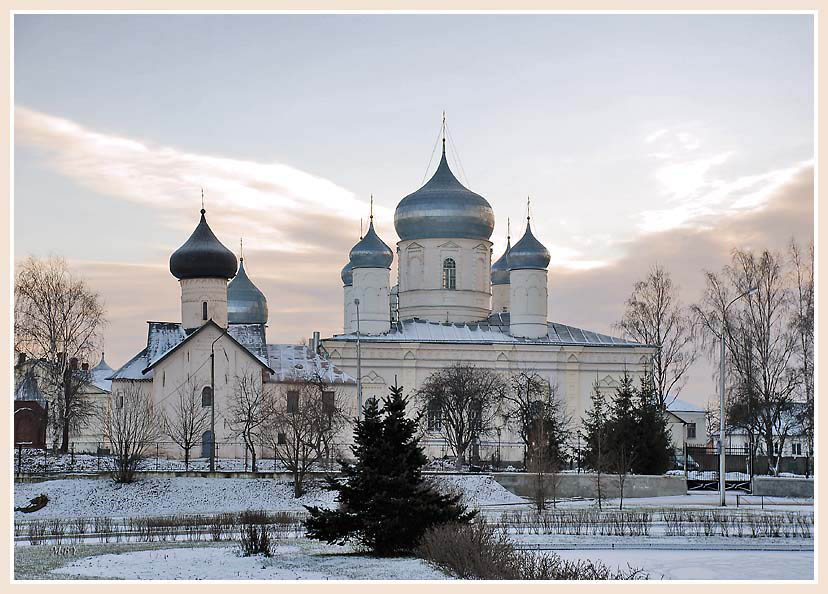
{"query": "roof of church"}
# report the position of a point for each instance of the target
(27, 388)
(203, 256)
(292, 362)
(493, 330)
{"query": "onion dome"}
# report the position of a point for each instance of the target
(500, 269)
(203, 256)
(246, 304)
(347, 274)
(371, 251)
(528, 253)
(444, 208)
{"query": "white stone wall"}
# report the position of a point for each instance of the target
(500, 298)
(348, 309)
(194, 292)
(422, 295)
(528, 299)
(372, 289)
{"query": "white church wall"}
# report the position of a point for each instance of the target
(195, 292)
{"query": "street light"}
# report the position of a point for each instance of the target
(722, 396)
(213, 402)
(359, 366)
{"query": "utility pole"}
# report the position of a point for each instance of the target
(359, 366)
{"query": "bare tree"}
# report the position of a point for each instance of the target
(622, 466)
(305, 417)
(466, 399)
(803, 282)
(249, 410)
(57, 320)
(187, 420)
(759, 342)
(654, 316)
(131, 425)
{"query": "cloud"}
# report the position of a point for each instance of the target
(269, 203)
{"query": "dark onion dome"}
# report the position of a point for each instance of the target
(347, 274)
(371, 251)
(444, 208)
(528, 253)
(203, 256)
(246, 304)
(500, 269)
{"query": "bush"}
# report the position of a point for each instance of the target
(255, 540)
(484, 551)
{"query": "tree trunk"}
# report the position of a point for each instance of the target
(64, 440)
(187, 458)
(458, 462)
(297, 486)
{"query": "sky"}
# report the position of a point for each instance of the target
(641, 140)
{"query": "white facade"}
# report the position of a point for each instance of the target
(371, 288)
(427, 266)
(528, 296)
(203, 299)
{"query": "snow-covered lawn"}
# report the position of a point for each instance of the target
(163, 496)
(303, 560)
(706, 565)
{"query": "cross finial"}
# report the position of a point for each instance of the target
(508, 228)
(443, 128)
(202, 201)
(527, 209)
(371, 209)
(241, 248)
(360, 227)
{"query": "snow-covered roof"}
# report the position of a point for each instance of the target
(251, 336)
(27, 388)
(679, 405)
(100, 375)
(292, 362)
(131, 370)
(493, 330)
(162, 337)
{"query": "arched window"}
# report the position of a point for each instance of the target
(204, 310)
(206, 443)
(435, 415)
(449, 274)
(206, 396)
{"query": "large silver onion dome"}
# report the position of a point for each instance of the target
(500, 269)
(371, 251)
(246, 304)
(347, 274)
(444, 208)
(203, 256)
(528, 253)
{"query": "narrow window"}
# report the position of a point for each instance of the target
(204, 310)
(292, 402)
(449, 274)
(328, 402)
(691, 431)
(435, 415)
(119, 403)
(206, 396)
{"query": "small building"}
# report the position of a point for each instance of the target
(686, 423)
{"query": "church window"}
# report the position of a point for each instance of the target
(281, 439)
(691, 431)
(449, 274)
(204, 310)
(206, 396)
(327, 402)
(435, 415)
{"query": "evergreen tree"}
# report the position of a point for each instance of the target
(652, 434)
(595, 433)
(385, 504)
(623, 422)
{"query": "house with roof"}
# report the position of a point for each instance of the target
(220, 340)
(686, 422)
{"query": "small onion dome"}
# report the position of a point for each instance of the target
(203, 256)
(371, 252)
(500, 269)
(246, 304)
(528, 253)
(347, 274)
(444, 208)
(102, 367)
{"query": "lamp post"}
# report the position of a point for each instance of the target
(359, 366)
(213, 402)
(722, 396)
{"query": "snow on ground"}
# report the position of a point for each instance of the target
(306, 561)
(477, 489)
(706, 565)
(162, 496)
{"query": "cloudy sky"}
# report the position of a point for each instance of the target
(666, 139)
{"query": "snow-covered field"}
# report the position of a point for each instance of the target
(163, 496)
(301, 561)
(706, 565)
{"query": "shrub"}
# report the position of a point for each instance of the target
(255, 539)
(484, 551)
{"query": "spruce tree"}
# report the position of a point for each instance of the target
(595, 433)
(653, 435)
(385, 504)
(623, 431)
